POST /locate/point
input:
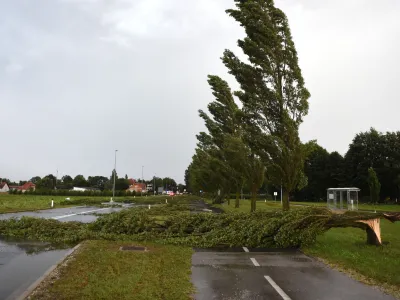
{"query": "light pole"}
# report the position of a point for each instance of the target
(115, 173)
(154, 185)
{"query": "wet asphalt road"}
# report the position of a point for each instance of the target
(83, 214)
(22, 263)
(280, 275)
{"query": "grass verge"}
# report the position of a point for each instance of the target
(18, 203)
(346, 250)
(244, 206)
(99, 270)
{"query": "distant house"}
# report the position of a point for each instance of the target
(4, 188)
(29, 186)
(131, 181)
(137, 188)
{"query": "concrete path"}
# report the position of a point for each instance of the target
(290, 275)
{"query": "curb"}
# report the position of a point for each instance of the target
(34, 285)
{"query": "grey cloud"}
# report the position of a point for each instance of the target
(96, 76)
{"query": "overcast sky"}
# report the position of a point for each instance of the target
(80, 78)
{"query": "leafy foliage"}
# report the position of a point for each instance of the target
(374, 185)
(174, 224)
(263, 134)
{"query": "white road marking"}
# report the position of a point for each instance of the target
(277, 288)
(255, 262)
(79, 213)
(245, 249)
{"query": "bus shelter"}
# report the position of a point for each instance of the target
(343, 198)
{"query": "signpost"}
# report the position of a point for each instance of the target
(275, 194)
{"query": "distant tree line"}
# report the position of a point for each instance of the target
(101, 185)
(372, 163)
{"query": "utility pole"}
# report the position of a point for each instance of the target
(115, 173)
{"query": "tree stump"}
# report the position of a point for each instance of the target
(373, 231)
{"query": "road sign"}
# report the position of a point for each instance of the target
(275, 193)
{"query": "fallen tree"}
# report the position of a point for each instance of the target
(170, 224)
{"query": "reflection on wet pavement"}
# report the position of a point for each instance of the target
(23, 262)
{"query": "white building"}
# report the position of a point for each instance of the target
(84, 189)
(4, 188)
(79, 189)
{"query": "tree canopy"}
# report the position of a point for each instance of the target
(262, 135)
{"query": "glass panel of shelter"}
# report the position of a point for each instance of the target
(342, 199)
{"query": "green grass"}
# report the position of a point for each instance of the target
(369, 207)
(101, 271)
(271, 205)
(347, 249)
(380, 207)
(244, 205)
(17, 203)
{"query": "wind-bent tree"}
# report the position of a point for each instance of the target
(374, 185)
(273, 93)
(223, 127)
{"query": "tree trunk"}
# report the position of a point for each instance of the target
(237, 199)
(253, 197)
(372, 239)
(285, 201)
(229, 200)
(218, 199)
(373, 232)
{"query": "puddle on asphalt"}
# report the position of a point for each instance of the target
(29, 247)
(22, 262)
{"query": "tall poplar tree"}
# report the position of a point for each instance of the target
(272, 92)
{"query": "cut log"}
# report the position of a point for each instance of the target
(373, 231)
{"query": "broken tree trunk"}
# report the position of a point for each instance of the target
(373, 231)
(370, 222)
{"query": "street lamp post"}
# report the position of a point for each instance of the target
(115, 172)
(154, 185)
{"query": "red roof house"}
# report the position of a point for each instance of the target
(137, 188)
